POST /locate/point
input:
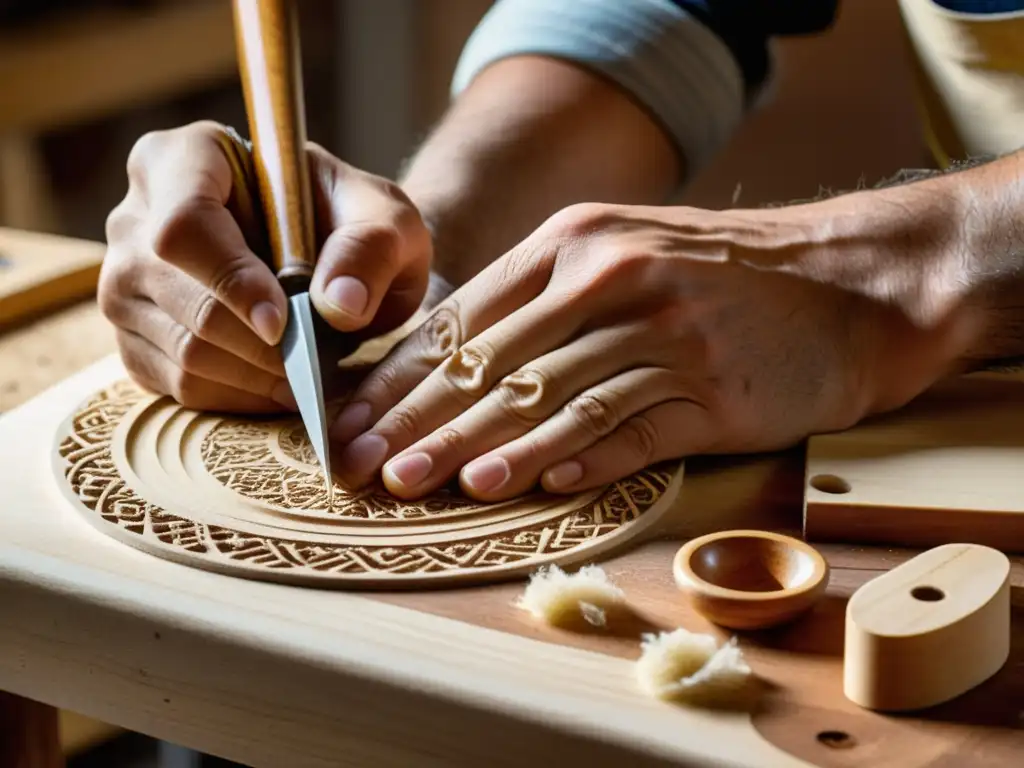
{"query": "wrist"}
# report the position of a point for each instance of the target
(941, 258)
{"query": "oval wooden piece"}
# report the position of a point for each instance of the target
(929, 630)
(749, 579)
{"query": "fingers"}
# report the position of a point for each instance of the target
(499, 290)
(196, 309)
(195, 357)
(374, 267)
(514, 467)
(151, 368)
(521, 401)
(466, 376)
(186, 182)
(670, 430)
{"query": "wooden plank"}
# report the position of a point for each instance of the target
(945, 469)
(41, 272)
(267, 674)
(272, 675)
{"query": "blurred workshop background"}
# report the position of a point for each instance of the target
(80, 80)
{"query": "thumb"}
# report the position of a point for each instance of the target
(374, 266)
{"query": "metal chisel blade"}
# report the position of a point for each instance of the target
(302, 367)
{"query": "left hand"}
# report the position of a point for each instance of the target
(616, 337)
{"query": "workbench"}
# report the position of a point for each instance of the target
(272, 675)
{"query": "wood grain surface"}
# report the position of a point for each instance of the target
(212, 662)
(944, 469)
(272, 675)
(41, 273)
(245, 497)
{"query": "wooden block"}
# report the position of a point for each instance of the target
(946, 468)
(929, 630)
(39, 272)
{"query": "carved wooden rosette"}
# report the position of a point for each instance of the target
(246, 498)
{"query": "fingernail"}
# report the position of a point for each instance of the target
(486, 474)
(364, 455)
(347, 294)
(565, 474)
(266, 318)
(412, 470)
(282, 394)
(353, 419)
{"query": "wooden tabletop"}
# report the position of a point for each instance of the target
(271, 675)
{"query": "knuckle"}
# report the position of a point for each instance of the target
(188, 349)
(440, 335)
(405, 420)
(469, 368)
(594, 413)
(451, 440)
(521, 395)
(642, 438)
(146, 147)
(384, 383)
(185, 387)
(229, 278)
(112, 288)
(384, 241)
(204, 315)
(580, 219)
(517, 265)
(137, 371)
(120, 222)
(171, 234)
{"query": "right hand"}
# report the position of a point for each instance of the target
(199, 315)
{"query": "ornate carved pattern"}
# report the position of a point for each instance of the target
(243, 456)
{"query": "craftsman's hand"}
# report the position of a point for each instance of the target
(199, 316)
(617, 337)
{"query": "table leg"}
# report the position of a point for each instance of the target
(29, 734)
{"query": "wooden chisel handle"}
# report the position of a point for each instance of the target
(267, 39)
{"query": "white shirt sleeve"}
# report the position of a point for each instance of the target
(680, 71)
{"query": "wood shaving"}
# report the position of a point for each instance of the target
(684, 665)
(556, 596)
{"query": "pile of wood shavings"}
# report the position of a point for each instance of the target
(676, 665)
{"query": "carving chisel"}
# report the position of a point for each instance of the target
(267, 39)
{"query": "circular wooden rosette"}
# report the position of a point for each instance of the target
(247, 498)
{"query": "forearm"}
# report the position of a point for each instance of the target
(559, 103)
(498, 166)
(946, 251)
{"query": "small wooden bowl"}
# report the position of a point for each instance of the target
(750, 579)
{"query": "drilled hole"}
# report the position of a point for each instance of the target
(830, 484)
(927, 594)
(836, 739)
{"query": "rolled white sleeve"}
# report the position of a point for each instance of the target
(669, 62)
